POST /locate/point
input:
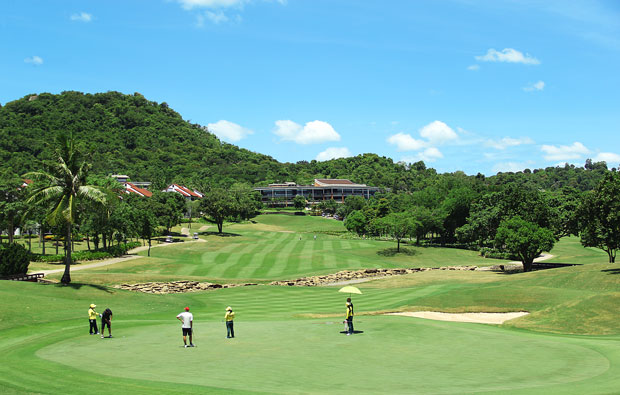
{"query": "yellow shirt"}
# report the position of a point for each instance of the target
(92, 314)
(349, 310)
(230, 315)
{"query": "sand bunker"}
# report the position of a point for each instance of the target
(479, 318)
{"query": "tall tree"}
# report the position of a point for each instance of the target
(599, 216)
(525, 239)
(237, 203)
(399, 226)
(61, 188)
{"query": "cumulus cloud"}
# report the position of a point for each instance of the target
(508, 55)
(430, 154)
(311, 133)
(438, 132)
(564, 152)
(473, 67)
(190, 4)
(82, 17)
(508, 142)
(333, 153)
(36, 60)
(536, 86)
(513, 167)
(609, 157)
(404, 142)
(229, 131)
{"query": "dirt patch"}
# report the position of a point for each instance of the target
(479, 318)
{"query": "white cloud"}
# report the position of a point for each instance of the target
(511, 166)
(189, 4)
(609, 157)
(564, 152)
(438, 132)
(312, 133)
(430, 154)
(473, 67)
(229, 131)
(333, 153)
(216, 17)
(36, 60)
(404, 142)
(508, 55)
(536, 86)
(82, 17)
(508, 142)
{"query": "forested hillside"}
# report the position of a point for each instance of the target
(149, 141)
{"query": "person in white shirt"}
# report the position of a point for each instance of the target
(188, 324)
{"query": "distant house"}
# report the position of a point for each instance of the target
(322, 189)
(186, 192)
(132, 188)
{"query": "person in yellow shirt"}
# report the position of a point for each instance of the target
(229, 317)
(92, 319)
(349, 318)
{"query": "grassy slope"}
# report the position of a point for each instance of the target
(44, 328)
(271, 249)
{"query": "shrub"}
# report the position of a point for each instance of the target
(14, 259)
(110, 252)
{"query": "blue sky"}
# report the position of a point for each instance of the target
(478, 86)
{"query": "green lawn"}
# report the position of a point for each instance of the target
(288, 338)
(276, 247)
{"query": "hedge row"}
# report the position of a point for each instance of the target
(110, 252)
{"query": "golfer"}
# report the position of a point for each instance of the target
(92, 319)
(229, 317)
(106, 319)
(188, 324)
(349, 319)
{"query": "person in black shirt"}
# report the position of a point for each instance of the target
(106, 319)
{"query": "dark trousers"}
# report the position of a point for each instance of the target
(230, 330)
(350, 324)
(93, 326)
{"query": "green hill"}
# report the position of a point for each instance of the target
(149, 141)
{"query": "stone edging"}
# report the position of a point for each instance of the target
(175, 287)
(348, 275)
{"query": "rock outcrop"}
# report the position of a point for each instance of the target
(352, 275)
(175, 287)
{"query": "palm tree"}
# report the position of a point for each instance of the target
(61, 188)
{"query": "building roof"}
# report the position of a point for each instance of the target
(319, 182)
(131, 188)
(184, 191)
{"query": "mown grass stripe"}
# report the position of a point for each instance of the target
(259, 260)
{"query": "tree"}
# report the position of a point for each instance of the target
(356, 222)
(145, 224)
(299, 201)
(61, 189)
(238, 203)
(399, 226)
(525, 239)
(168, 208)
(12, 204)
(599, 216)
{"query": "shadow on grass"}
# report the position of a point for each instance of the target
(80, 285)
(393, 251)
(223, 234)
(612, 271)
(354, 332)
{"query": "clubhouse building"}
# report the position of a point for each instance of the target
(323, 189)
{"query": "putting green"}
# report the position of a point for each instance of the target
(401, 354)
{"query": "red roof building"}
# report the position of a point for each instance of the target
(186, 192)
(131, 188)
